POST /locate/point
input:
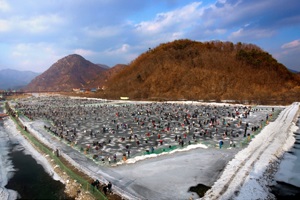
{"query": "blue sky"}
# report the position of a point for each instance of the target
(34, 34)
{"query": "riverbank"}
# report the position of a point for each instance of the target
(61, 167)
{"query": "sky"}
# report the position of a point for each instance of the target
(35, 34)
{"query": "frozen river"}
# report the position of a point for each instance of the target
(169, 176)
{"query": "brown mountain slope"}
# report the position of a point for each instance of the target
(70, 72)
(186, 69)
(101, 79)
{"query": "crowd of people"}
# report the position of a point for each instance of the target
(110, 131)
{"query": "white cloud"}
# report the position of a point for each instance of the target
(180, 18)
(216, 31)
(4, 6)
(35, 24)
(123, 49)
(293, 44)
(4, 25)
(85, 52)
(41, 23)
(250, 34)
(124, 54)
(103, 32)
(35, 56)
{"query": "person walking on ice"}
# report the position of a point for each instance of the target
(221, 144)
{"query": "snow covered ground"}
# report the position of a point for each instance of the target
(170, 176)
(242, 178)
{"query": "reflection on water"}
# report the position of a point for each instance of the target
(22, 173)
(289, 172)
(200, 189)
(31, 181)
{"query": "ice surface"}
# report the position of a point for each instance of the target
(171, 175)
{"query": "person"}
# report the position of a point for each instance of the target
(109, 186)
(57, 152)
(220, 144)
(152, 149)
(105, 190)
(248, 137)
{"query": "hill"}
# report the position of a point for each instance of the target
(70, 72)
(14, 79)
(185, 69)
(103, 77)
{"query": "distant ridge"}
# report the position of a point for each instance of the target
(103, 66)
(293, 71)
(15, 79)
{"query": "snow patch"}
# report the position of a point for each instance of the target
(144, 157)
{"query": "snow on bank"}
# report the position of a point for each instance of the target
(242, 178)
(6, 167)
(144, 157)
(29, 150)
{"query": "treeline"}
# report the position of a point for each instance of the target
(185, 69)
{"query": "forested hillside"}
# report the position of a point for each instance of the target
(186, 69)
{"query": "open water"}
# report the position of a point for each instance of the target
(30, 179)
(21, 176)
(288, 176)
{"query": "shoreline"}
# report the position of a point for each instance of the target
(72, 188)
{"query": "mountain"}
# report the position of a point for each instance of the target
(70, 72)
(14, 79)
(103, 66)
(294, 71)
(185, 69)
(103, 77)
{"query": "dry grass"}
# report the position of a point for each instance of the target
(185, 69)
